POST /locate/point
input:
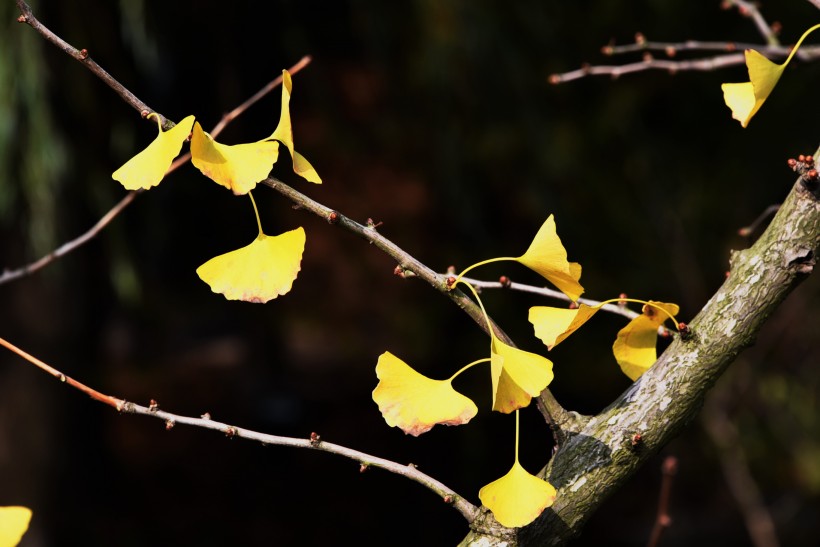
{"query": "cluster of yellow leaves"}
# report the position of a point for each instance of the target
(415, 403)
(634, 348)
(745, 99)
(14, 522)
(268, 266)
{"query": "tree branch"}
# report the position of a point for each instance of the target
(410, 471)
(601, 457)
(751, 10)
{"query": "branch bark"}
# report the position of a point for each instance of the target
(597, 460)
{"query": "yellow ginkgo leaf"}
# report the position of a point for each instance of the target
(238, 167)
(517, 376)
(284, 134)
(554, 325)
(147, 168)
(547, 256)
(634, 348)
(13, 524)
(745, 99)
(517, 498)
(258, 272)
(415, 403)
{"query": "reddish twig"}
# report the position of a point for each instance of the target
(669, 469)
(82, 56)
(410, 471)
(93, 393)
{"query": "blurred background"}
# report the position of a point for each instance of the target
(436, 119)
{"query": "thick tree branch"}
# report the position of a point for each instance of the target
(601, 457)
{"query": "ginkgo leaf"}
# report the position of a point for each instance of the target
(14, 522)
(517, 498)
(284, 134)
(237, 167)
(147, 168)
(517, 376)
(547, 256)
(745, 99)
(258, 272)
(415, 403)
(634, 348)
(554, 325)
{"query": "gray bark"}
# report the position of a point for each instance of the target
(598, 455)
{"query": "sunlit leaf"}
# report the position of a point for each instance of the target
(415, 403)
(547, 256)
(554, 325)
(517, 498)
(517, 376)
(258, 272)
(14, 522)
(237, 167)
(634, 348)
(745, 99)
(284, 134)
(147, 168)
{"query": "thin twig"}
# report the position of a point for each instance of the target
(410, 471)
(703, 65)
(736, 471)
(751, 10)
(761, 218)
(663, 520)
(550, 293)
(673, 48)
(734, 56)
(28, 17)
(65, 248)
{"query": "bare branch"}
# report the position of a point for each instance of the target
(410, 471)
(650, 63)
(65, 248)
(751, 10)
(663, 520)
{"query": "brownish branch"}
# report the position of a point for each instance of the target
(663, 520)
(410, 471)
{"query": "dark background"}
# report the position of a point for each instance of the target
(437, 119)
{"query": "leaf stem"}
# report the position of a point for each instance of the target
(482, 263)
(800, 41)
(484, 311)
(465, 367)
(256, 212)
(517, 429)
